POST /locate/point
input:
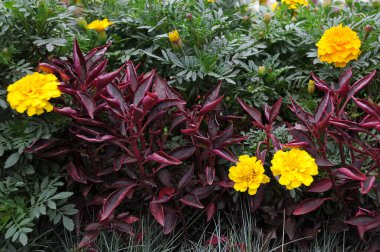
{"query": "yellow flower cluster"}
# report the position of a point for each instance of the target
(339, 45)
(248, 174)
(99, 25)
(32, 93)
(294, 4)
(174, 36)
(295, 167)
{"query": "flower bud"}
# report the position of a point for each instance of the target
(311, 87)
(246, 19)
(367, 28)
(189, 16)
(262, 70)
(267, 18)
(102, 36)
(81, 22)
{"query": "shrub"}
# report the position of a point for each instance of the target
(122, 144)
(346, 151)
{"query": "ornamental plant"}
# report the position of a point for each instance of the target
(119, 146)
(32, 93)
(342, 150)
(339, 45)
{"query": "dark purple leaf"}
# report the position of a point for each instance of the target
(226, 154)
(210, 106)
(254, 113)
(210, 211)
(103, 80)
(210, 174)
(143, 87)
(344, 82)
(163, 158)
(211, 96)
(357, 86)
(362, 220)
(223, 136)
(87, 102)
(66, 111)
(371, 108)
(290, 227)
(170, 222)
(123, 227)
(186, 178)
(191, 200)
(114, 199)
(88, 238)
(320, 84)
(321, 110)
(74, 173)
(158, 213)
(180, 153)
(320, 186)
(79, 62)
(275, 110)
(352, 173)
(96, 71)
(367, 184)
(308, 205)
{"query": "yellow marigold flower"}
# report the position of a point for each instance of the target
(295, 4)
(211, 1)
(32, 93)
(295, 167)
(339, 45)
(99, 25)
(248, 174)
(174, 36)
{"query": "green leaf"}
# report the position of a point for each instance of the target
(23, 239)
(68, 223)
(12, 160)
(51, 204)
(10, 232)
(62, 195)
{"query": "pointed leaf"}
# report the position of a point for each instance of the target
(88, 103)
(163, 158)
(275, 110)
(88, 238)
(254, 113)
(114, 199)
(226, 154)
(320, 186)
(210, 211)
(170, 222)
(191, 200)
(143, 87)
(103, 80)
(352, 173)
(186, 178)
(158, 213)
(210, 106)
(308, 205)
(367, 184)
(79, 62)
(344, 82)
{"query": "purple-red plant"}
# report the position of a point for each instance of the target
(352, 184)
(118, 144)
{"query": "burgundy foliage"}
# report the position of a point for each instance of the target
(350, 189)
(118, 144)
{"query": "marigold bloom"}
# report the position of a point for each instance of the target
(248, 174)
(211, 1)
(32, 93)
(295, 167)
(294, 4)
(99, 25)
(174, 36)
(339, 45)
